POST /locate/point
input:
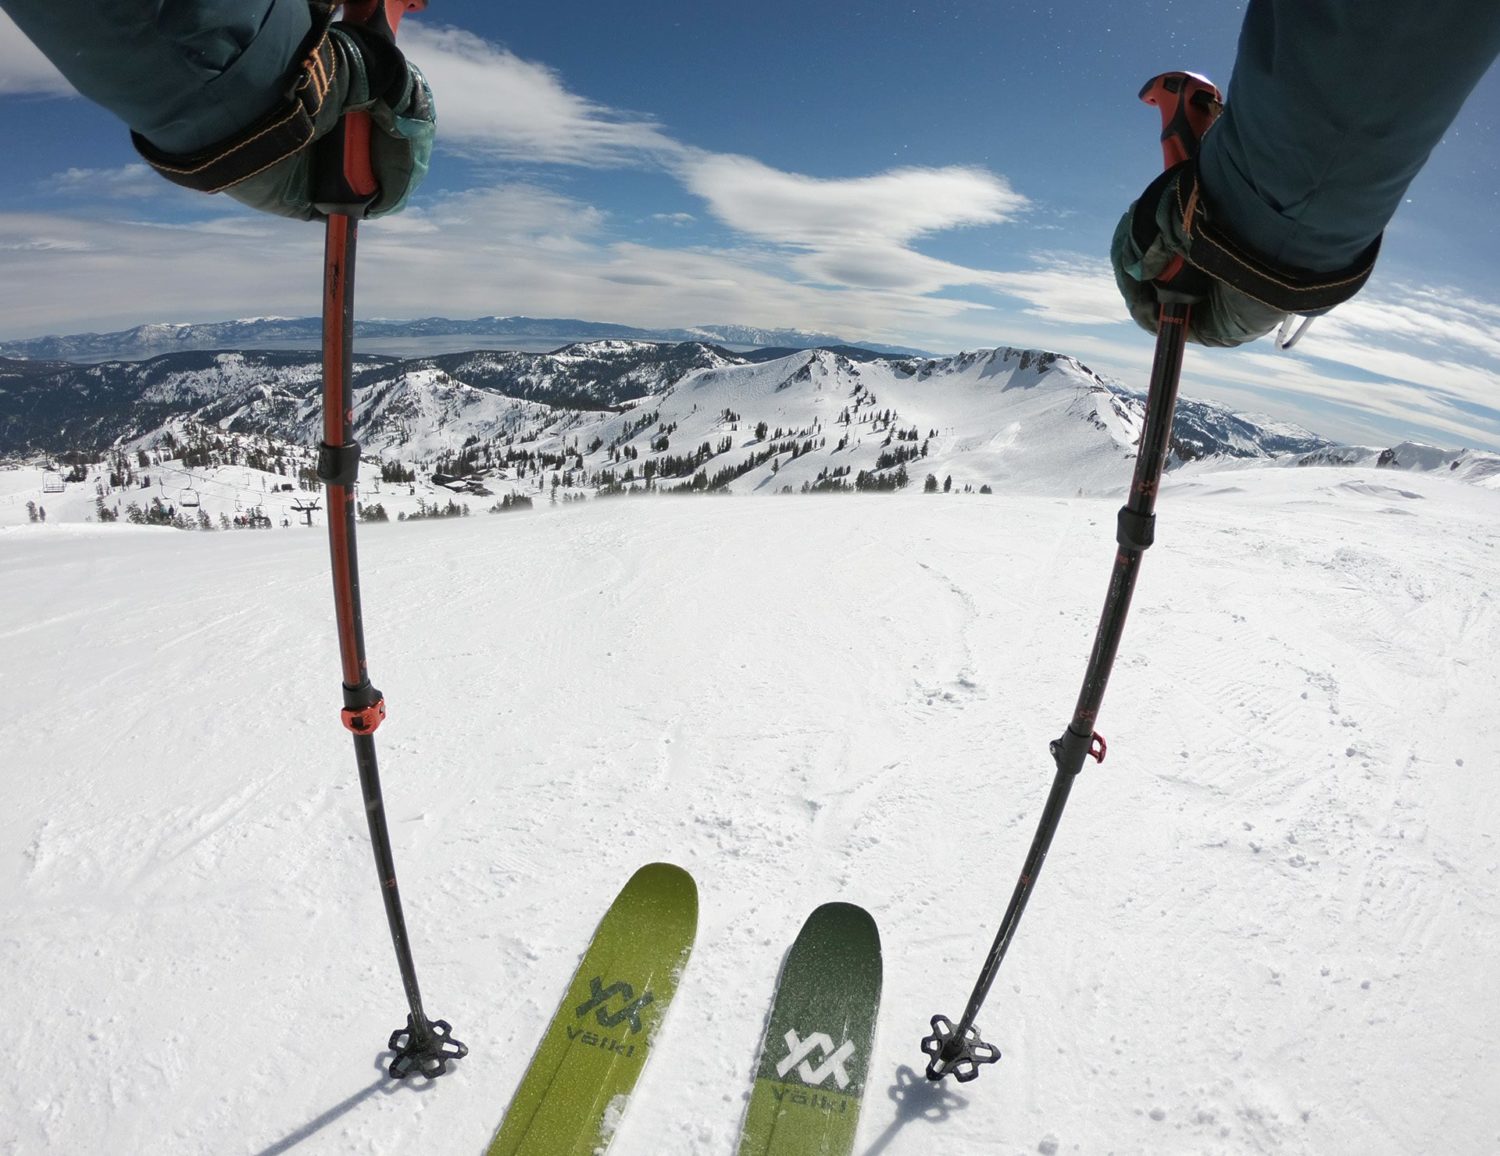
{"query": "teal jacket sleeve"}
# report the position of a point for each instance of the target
(1333, 108)
(182, 73)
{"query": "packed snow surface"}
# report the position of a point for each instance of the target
(1269, 922)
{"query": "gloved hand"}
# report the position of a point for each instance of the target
(271, 164)
(1149, 237)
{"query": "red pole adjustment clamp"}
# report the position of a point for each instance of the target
(366, 720)
(1097, 747)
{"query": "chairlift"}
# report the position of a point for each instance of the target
(306, 509)
(53, 484)
(188, 497)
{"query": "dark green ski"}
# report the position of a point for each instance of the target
(815, 1057)
(586, 1066)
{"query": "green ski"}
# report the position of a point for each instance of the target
(582, 1074)
(816, 1053)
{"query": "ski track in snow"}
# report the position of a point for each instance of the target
(1267, 925)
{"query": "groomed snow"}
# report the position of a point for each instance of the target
(1268, 925)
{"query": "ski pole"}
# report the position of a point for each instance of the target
(346, 184)
(1189, 105)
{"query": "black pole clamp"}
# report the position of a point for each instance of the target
(338, 465)
(1071, 749)
(1134, 530)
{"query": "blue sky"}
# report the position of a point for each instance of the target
(944, 174)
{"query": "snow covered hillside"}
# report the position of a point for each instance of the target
(208, 436)
(235, 430)
(1268, 924)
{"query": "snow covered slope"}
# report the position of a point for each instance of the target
(1268, 925)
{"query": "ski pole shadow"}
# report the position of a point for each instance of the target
(916, 1098)
(384, 1085)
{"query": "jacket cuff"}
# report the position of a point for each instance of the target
(290, 125)
(1190, 219)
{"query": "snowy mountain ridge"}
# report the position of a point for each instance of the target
(422, 408)
(235, 430)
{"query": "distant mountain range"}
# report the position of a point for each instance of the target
(610, 415)
(305, 332)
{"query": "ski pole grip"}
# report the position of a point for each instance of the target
(354, 182)
(1189, 105)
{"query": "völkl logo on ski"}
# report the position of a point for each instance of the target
(833, 1059)
(599, 997)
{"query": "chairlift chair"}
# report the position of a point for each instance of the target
(53, 484)
(188, 497)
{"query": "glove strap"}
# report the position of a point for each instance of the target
(288, 128)
(1221, 255)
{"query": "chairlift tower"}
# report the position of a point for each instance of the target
(308, 509)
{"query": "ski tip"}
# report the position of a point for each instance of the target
(851, 916)
(664, 874)
(844, 939)
(664, 886)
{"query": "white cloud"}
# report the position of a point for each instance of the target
(23, 68)
(1441, 320)
(1064, 289)
(138, 181)
(854, 231)
(892, 207)
(509, 249)
(491, 103)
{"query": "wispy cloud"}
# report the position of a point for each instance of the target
(492, 103)
(1063, 289)
(892, 207)
(128, 181)
(854, 231)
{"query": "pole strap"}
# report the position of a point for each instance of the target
(1213, 249)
